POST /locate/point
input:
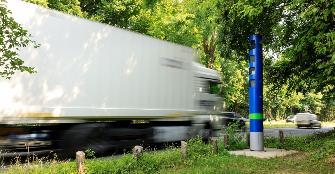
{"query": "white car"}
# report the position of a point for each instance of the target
(307, 120)
(290, 118)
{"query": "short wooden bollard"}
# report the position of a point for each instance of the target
(80, 158)
(248, 139)
(225, 140)
(183, 149)
(137, 152)
(281, 137)
(214, 143)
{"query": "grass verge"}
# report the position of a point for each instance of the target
(317, 155)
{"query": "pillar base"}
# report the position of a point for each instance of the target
(256, 141)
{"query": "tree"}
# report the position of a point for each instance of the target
(90, 7)
(307, 36)
(117, 12)
(234, 85)
(312, 102)
(43, 3)
(12, 38)
(168, 20)
(300, 32)
(68, 6)
(206, 16)
(241, 18)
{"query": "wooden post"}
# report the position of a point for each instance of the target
(225, 140)
(214, 143)
(27, 146)
(183, 149)
(281, 137)
(248, 139)
(80, 158)
(137, 152)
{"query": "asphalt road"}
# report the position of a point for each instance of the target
(274, 132)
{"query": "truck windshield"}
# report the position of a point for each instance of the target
(214, 88)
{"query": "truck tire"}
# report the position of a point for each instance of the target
(85, 137)
(208, 132)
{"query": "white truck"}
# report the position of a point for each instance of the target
(99, 86)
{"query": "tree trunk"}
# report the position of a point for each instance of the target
(209, 49)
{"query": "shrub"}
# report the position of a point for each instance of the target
(198, 149)
(236, 139)
(89, 153)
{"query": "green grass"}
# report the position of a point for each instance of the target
(328, 123)
(278, 124)
(316, 155)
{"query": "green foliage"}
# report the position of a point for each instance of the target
(281, 102)
(298, 39)
(235, 139)
(320, 145)
(327, 149)
(68, 6)
(214, 88)
(313, 102)
(206, 15)
(149, 163)
(197, 149)
(308, 36)
(241, 18)
(90, 7)
(234, 86)
(167, 20)
(117, 12)
(43, 3)
(12, 38)
(89, 153)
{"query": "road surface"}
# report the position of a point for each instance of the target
(274, 132)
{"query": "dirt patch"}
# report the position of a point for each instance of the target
(299, 156)
(331, 160)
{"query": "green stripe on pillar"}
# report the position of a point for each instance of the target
(257, 116)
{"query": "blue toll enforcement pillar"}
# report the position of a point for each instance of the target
(256, 93)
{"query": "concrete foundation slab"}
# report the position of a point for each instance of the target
(267, 153)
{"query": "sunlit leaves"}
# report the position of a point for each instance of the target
(12, 38)
(68, 6)
(307, 61)
(117, 12)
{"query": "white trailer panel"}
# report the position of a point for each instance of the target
(88, 69)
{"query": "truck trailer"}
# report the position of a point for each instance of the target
(99, 87)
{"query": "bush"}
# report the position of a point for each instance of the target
(90, 154)
(236, 139)
(198, 149)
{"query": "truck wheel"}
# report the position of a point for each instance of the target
(85, 137)
(208, 132)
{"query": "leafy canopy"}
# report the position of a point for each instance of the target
(298, 35)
